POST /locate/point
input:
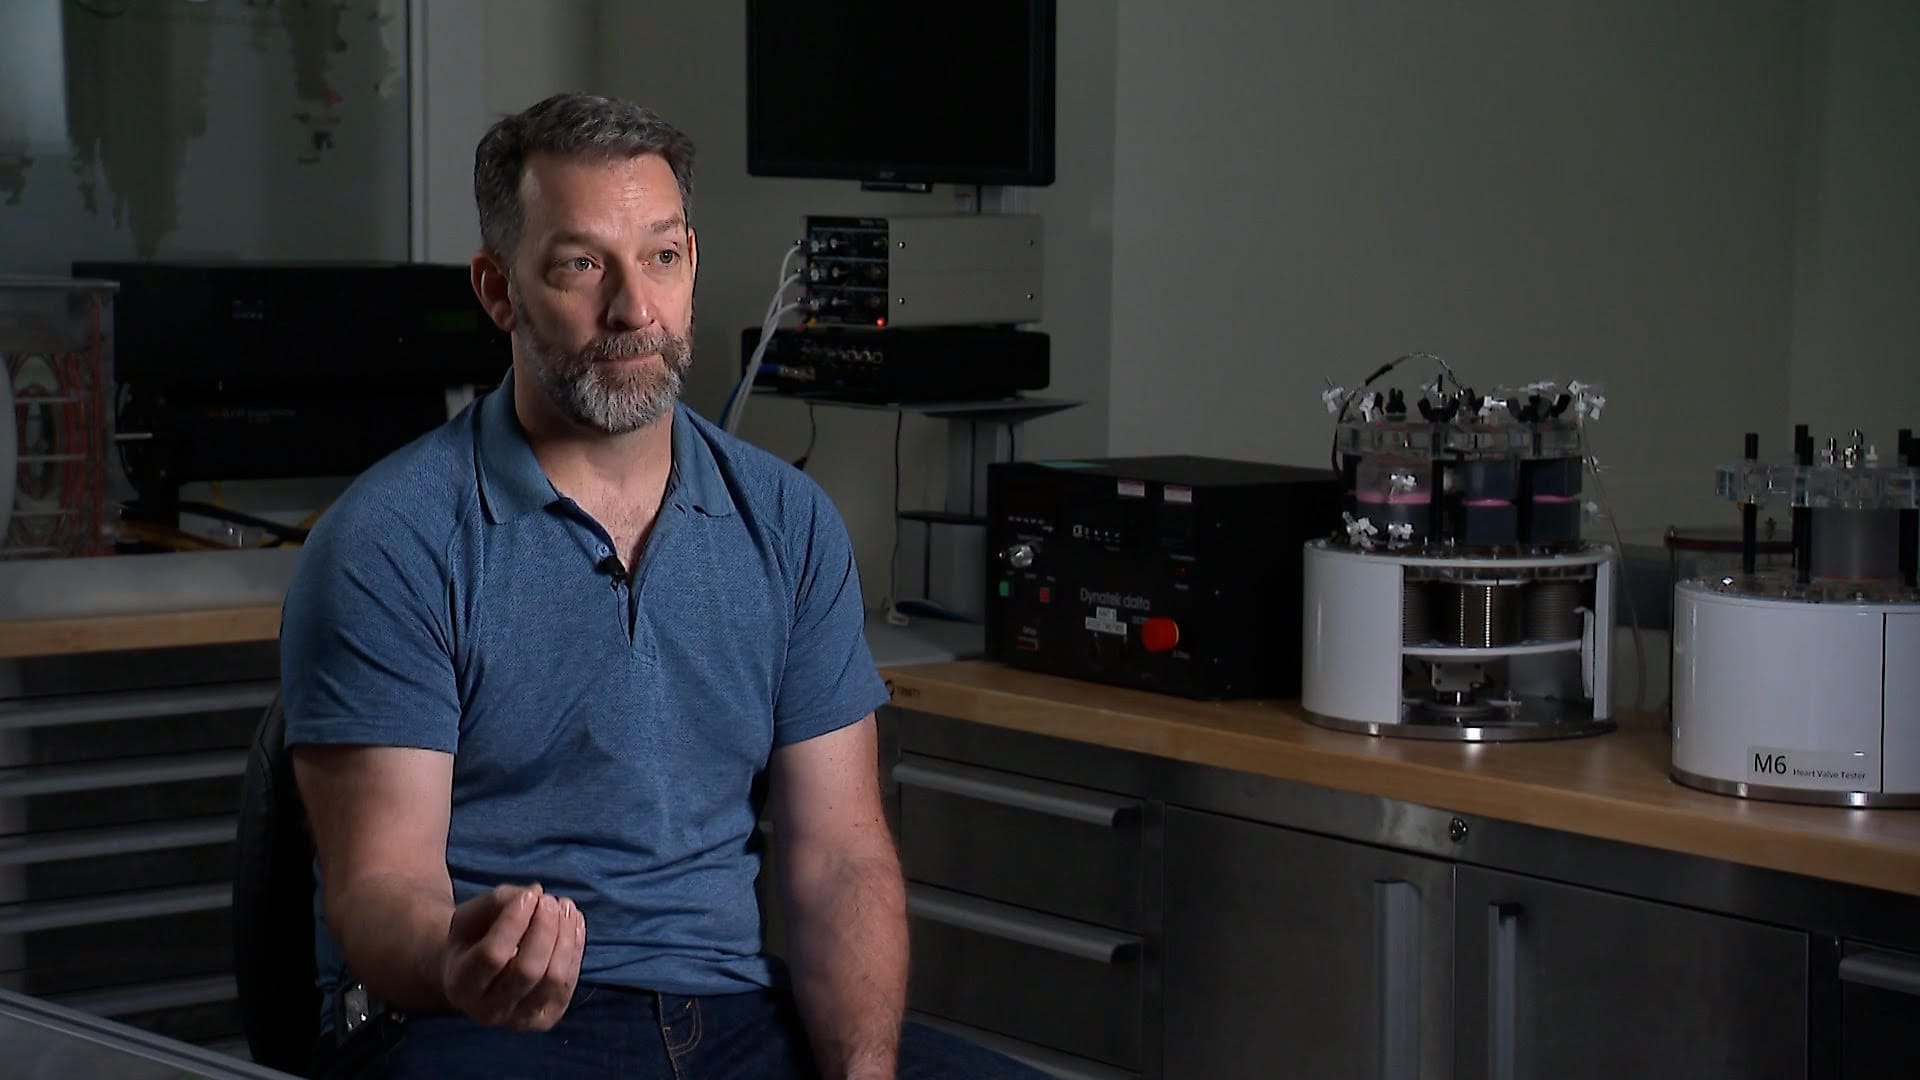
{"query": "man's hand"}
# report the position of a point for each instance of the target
(512, 957)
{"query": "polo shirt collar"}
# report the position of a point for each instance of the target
(512, 482)
(696, 480)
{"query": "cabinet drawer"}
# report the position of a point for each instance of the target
(1879, 1011)
(1562, 981)
(1045, 980)
(1052, 847)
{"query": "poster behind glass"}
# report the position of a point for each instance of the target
(189, 129)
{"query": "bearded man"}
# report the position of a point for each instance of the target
(545, 668)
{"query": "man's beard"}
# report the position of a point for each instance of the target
(599, 395)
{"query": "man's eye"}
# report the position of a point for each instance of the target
(668, 258)
(579, 264)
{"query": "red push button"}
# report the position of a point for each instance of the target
(1159, 634)
(1046, 595)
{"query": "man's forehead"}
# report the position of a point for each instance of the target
(566, 187)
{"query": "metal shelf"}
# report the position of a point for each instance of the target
(1458, 652)
(943, 517)
(999, 410)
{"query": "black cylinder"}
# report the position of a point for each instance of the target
(1802, 516)
(1750, 516)
(1436, 509)
(1909, 519)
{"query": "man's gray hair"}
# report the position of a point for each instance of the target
(574, 126)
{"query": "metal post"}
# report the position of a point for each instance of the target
(1750, 516)
(1802, 514)
(1909, 516)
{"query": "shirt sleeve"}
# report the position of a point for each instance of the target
(829, 680)
(365, 639)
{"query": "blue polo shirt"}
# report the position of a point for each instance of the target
(609, 740)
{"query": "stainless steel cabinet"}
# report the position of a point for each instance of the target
(1290, 954)
(1197, 923)
(1027, 904)
(119, 778)
(1555, 980)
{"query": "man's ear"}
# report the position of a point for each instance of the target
(490, 285)
(693, 251)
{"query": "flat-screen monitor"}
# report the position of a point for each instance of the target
(908, 93)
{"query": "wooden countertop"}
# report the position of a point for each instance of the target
(1614, 786)
(21, 638)
(1611, 786)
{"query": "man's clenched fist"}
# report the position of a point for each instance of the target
(512, 957)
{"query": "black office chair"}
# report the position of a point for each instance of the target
(273, 908)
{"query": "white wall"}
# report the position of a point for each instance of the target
(1856, 301)
(1710, 209)
(688, 62)
(479, 62)
(449, 115)
(538, 49)
(1600, 191)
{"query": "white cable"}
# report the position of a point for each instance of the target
(736, 402)
(785, 282)
(782, 275)
(745, 389)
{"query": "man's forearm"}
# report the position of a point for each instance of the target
(393, 932)
(847, 933)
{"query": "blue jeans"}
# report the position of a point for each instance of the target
(639, 1035)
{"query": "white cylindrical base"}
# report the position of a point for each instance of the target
(1780, 698)
(1356, 648)
(1350, 635)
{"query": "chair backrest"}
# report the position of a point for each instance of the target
(273, 907)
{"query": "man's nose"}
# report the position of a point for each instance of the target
(631, 304)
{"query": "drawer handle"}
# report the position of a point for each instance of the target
(1503, 991)
(136, 704)
(33, 916)
(23, 781)
(1041, 798)
(34, 848)
(152, 996)
(1024, 927)
(1882, 971)
(1396, 944)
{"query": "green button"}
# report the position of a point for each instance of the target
(1006, 587)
